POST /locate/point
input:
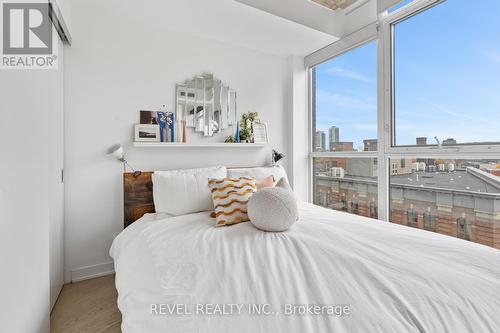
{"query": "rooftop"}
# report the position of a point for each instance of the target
(458, 180)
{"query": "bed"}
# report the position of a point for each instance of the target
(331, 272)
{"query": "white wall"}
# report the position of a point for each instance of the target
(27, 102)
(114, 69)
(298, 127)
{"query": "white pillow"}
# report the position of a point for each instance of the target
(273, 209)
(179, 192)
(259, 173)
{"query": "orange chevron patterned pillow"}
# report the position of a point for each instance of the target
(230, 196)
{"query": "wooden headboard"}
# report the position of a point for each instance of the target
(137, 196)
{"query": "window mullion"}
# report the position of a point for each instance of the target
(384, 117)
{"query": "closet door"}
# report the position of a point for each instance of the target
(56, 185)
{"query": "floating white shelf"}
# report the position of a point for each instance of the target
(197, 145)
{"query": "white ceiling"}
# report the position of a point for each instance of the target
(338, 23)
(229, 21)
(303, 12)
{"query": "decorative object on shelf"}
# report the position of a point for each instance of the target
(148, 117)
(205, 104)
(276, 156)
(246, 128)
(116, 151)
(183, 124)
(166, 121)
(230, 139)
(161, 119)
(237, 136)
(170, 129)
(260, 133)
(147, 133)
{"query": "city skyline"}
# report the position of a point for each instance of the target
(334, 142)
(333, 136)
(346, 95)
(320, 141)
(368, 144)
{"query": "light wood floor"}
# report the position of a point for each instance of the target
(87, 306)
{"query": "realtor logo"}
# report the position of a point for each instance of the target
(27, 36)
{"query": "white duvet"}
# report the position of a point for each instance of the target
(361, 275)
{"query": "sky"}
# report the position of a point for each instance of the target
(447, 79)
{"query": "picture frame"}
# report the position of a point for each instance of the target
(260, 133)
(148, 117)
(146, 133)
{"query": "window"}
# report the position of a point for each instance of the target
(436, 165)
(346, 101)
(455, 197)
(345, 113)
(446, 71)
(394, 169)
(346, 184)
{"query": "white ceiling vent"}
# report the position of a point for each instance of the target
(346, 6)
(335, 4)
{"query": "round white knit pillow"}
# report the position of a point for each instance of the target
(272, 209)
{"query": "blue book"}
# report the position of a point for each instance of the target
(161, 119)
(170, 126)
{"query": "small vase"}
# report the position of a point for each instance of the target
(237, 135)
(183, 131)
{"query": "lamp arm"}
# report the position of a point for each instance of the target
(125, 163)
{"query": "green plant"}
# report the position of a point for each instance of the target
(246, 125)
(245, 134)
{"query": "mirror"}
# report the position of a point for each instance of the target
(206, 104)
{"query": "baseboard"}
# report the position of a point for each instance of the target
(67, 277)
(93, 271)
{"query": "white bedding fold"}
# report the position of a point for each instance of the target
(393, 278)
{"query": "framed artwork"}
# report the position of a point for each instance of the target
(260, 133)
(147, 133)
(148, 117)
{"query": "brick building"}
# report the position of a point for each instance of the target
(342, 146)
(370, 145)
(495, 172)
(461, 204)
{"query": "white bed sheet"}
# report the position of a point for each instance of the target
(393, 278)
